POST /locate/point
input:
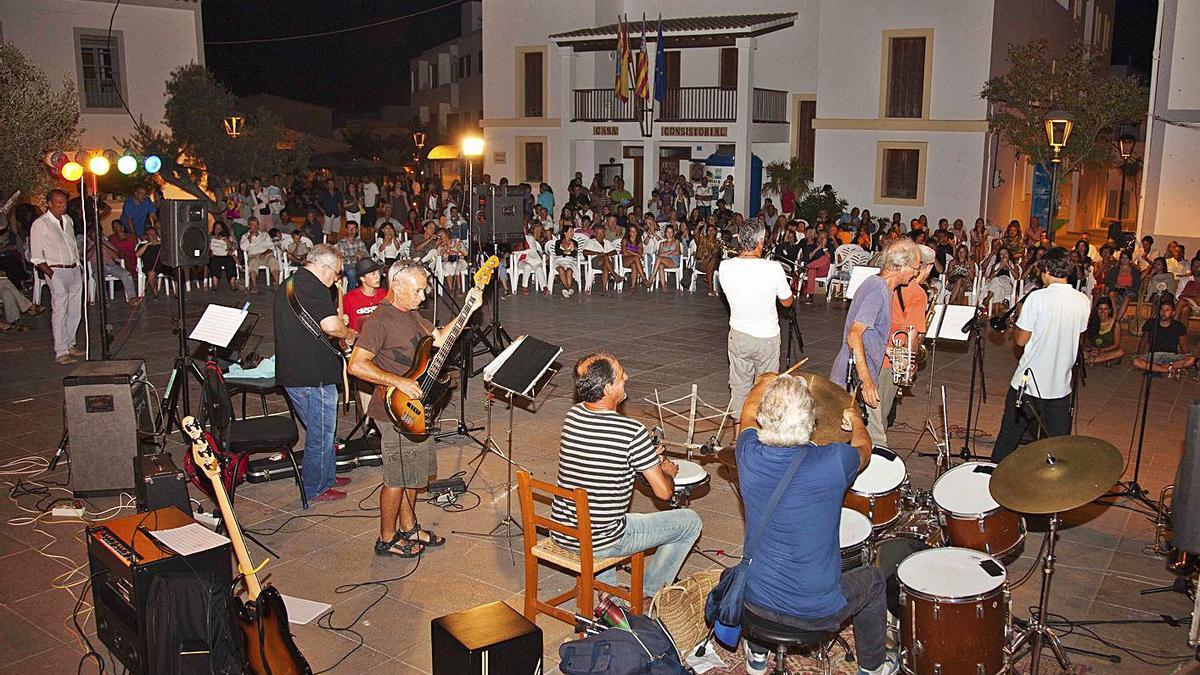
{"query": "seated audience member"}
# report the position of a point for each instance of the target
(796, 578)
(110, 259)
(1122, 282)
(260, 252)
(600, 253)
(1103, 341)
(1164, 347)
(601, 451)
(1188, 299)
(353, 249)
(667, 257)
(566, 264)
(15, 304)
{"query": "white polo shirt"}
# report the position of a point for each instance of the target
(752, 285)
(1055, 316)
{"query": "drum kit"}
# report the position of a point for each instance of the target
(943, 551)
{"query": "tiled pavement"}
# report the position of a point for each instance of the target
(666, 341)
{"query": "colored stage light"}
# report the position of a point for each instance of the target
(72, 171)
(152, 164)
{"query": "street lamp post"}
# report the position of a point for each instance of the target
(419, 141)
(1058, 131)
(1125, 146)
(472, 147)
(234, 125)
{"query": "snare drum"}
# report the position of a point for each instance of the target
(690, 476)
(877, 491)
(954, 612)
(854, 538)
(970, 517)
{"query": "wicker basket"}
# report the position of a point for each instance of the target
(680, 607)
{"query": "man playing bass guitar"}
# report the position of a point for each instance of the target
(382, 356)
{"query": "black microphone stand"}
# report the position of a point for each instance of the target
(1132, 488)
(976, 339)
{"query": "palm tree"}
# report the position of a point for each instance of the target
(790, 175)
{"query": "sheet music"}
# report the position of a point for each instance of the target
(956, 317)
(858, 275)
(218, 325)
(301, 611)
(190, 538)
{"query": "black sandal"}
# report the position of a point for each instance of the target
(409, 548)
(413, 535)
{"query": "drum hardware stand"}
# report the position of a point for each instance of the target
(713, 445)
(1036, 631)
(531, 364)
(976, 338)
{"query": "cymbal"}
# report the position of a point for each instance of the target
(1081, 469)
(830, 400)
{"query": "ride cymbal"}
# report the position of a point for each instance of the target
(1056, 474)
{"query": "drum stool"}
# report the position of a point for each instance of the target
(766, 632)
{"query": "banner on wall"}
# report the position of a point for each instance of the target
(1041, 195)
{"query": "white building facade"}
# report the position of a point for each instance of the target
(71, 39)
(447, 80)
(1171, 173)
(880, 100)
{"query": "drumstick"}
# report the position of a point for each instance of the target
(799, 363)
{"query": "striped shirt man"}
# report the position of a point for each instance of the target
(601, 450)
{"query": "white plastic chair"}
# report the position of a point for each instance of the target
(39, 284)
(553, 275)
(668, 271)
(252, 269)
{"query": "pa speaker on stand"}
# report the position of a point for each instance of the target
(183, 229)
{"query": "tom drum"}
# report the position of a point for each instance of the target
(855, 539)
(970, 517)
(877, 491)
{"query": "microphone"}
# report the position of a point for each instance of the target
(1021, 389)
(970, 325)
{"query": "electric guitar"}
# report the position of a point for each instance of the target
(412, 414)
(262, 616)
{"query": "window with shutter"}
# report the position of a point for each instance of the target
(901, 173)
(533, 84)
(906, 77)
(534, 162)
(100, 71)
(729, 68)
(806, 136)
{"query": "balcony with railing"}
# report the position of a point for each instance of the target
(682, 104)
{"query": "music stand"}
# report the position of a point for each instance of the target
(515, 373)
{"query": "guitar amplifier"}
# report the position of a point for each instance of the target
(109, 420)
(158, 484)
(491, 638)
(123, 561)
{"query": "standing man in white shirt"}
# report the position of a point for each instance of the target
(260, 252)
(1048, 328)
(370, 195)
(276, 201)
(752, 286)
(52, 249)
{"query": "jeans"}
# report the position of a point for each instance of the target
(673, 532)
(749, 357)
(112, 269)
(66, 296)
(1055, 414)
(866, 602)
(317, 409)
(351, 273)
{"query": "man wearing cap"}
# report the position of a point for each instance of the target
(909, 306)
(357, 307)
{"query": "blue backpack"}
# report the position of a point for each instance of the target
(644, 649)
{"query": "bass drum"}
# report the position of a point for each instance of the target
(915, 531)
(954, 612)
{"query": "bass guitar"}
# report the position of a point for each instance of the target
(262, 617)
(412, 414)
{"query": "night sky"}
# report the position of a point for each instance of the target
(351, 71)
(361, 69)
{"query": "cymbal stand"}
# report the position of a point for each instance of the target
(793, 334)
(976, 370)
(1133, 488)
(1037, 632)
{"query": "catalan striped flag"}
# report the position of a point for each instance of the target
(624, 61)
(641, 81)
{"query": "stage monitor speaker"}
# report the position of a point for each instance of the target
(1185, 504)
(501, 207)
(491, 638)
(183, 229)
(109, 420)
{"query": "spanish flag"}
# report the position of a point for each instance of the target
(623, 61)
(642, 78)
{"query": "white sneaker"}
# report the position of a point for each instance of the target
(566, 293)
(754, 666)
(570, 292)
(890, 666)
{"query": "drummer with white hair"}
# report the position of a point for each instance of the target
(796, 579)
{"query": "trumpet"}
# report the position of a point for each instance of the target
(902, 350)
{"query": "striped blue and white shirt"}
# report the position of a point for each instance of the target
(600, 451)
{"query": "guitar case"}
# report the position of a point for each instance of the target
(349, 455)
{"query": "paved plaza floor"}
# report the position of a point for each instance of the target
(668, 342)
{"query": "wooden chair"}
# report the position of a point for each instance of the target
(581, 563)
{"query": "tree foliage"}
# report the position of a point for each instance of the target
(1078, 82)
(825, 199)
(789, 175)
(197, 155)
(393, 150)
(35, 118)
